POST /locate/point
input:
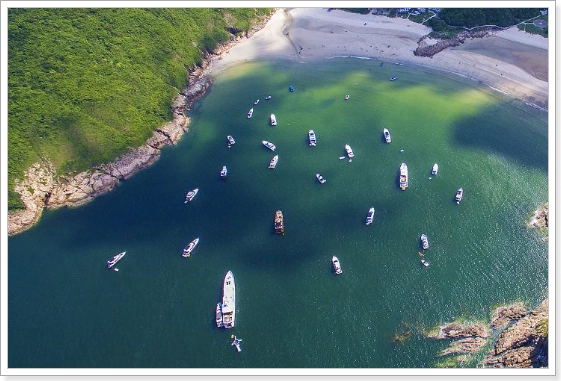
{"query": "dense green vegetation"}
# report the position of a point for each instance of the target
(448, 22)
(87, 84)
(470, 17)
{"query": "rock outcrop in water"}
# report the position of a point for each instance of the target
(540, 220)
(42, 187)
(521, 343)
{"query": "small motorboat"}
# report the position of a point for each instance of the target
(387, 135)
(424, 241)
(312, 138)
(191, 195)
(393, 78)
(273, 162)
(269, 145)
(273, 120)
(320, 178)
(224, 172)
(250, 113)
(267, 97)
(459, 195)
(187, 250)
(116, 258)
(336, 265)
(434, 169)
(347, 96)
(370, 216)
(231, 140)
(425, 263)
(256, 102)
(291, 88)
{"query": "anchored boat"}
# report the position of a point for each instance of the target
(370, 216)
(188, 249)
(279, 222)
(113, 261)
(403, 176)
(191, 195)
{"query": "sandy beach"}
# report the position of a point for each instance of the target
(306, 34)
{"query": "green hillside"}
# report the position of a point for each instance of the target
(86, 84)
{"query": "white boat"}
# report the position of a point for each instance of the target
(188, 249)
(191, 195)
(236, 343)
(229, 301)
(434, 169)
(256, 101)
(219, 315)
(273, 120)
(424, 241)
(387, 135)
(224, 172)
(267, 97)
(347, 96)
(403, 176)
(250, 113)
(116, 258)
(336, 265)
(425, 263)
(393, 78)
(349, 150)
(279, 222)
(231, 140)
(320, 178)
(274, 161)
(370, 216)
(459, 195)
(312, 138)
(269, 145)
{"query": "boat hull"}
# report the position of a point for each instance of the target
(228, 307)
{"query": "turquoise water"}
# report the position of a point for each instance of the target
(66, 310)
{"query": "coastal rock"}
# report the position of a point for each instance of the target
(467, 345)
(34, 189)
(523, 344)
(540, 220)
(457, 330)
(505, 315)
(428, 46)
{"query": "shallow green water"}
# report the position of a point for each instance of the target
(67, 310)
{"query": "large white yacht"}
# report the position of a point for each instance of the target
(229, 301)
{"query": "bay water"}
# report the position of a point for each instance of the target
(66, 310)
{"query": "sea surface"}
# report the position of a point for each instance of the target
(66, 310)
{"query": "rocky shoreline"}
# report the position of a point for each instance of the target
(540, 220)
(42, 188)
(521, 337)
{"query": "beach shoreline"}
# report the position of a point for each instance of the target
(301, 35)
(308, 34)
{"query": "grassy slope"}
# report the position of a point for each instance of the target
(86, 84)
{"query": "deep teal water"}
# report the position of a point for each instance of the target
(65, 310)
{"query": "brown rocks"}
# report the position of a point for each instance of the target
(505, 315)
(521, 344)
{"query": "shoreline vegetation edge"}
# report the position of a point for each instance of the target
(280, 35)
